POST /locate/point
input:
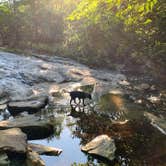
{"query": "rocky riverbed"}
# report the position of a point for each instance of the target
(126, 116)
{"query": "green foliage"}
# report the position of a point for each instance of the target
(118, 29)
(4, 9)
(97, 32)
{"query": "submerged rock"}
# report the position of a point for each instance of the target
(157, 122)
(142, 87)
(31, 125)
(30, 105)
(33, 159)
(124, 83)
(13, 140)
(102, 145)
(154, 99)
(4, 160)
(41, 149)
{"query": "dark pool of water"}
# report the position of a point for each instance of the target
(137, 142)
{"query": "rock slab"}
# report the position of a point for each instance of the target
(31, 125)
(102, 145)
(29, 105)
(41, 149)
(13, 140)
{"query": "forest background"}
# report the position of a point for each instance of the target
(114, 34)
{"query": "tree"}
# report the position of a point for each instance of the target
(118, 29)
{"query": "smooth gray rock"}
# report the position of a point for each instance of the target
(31, 125)
(13, 140)
(42, 149)
(102, 145)
(31, 105)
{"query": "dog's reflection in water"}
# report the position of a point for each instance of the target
(77, 108)
(77, 112)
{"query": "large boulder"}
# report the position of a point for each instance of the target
(102, 146)
(13, 140)
(31, 125)
(42, 149)
(30, 105)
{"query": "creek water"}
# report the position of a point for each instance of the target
(137, 142)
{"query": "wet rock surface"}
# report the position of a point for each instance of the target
(13, 140)
(102, 146)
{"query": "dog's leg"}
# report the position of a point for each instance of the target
(71, 101)
(79, 101)
(73, 108)
(83, 102)
(75, 101)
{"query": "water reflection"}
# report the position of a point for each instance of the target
(65, 140)
(146, 146)
(118, 108)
